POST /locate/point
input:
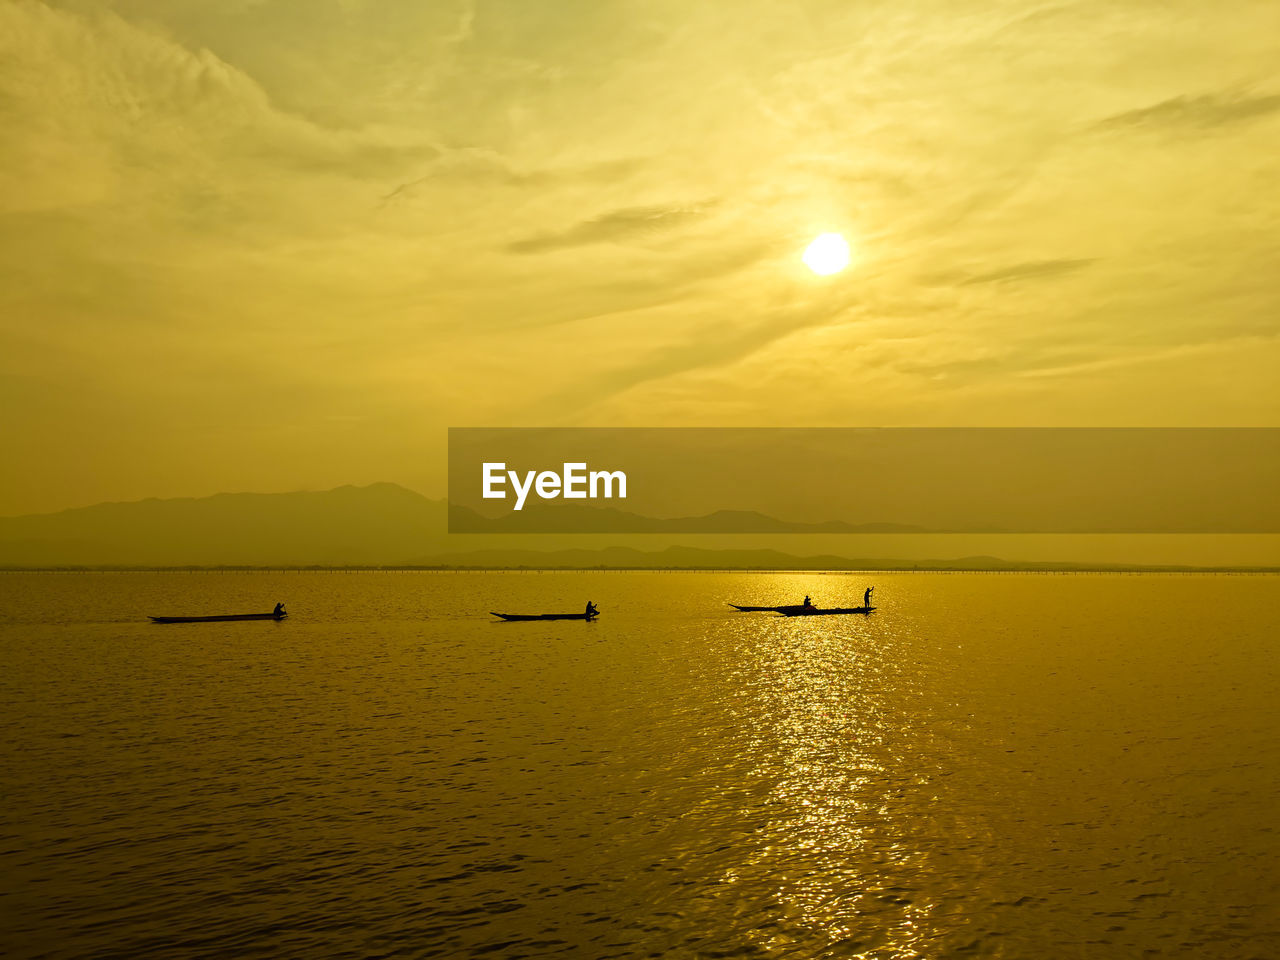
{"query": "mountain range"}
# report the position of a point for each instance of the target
(349, 525)
(566, 518)
(388, 525)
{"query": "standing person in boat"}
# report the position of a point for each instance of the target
(866, 597)
(279, 611)
(592, 610)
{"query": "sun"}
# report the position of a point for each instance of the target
(829, 253)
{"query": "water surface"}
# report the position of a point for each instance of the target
(990, 765)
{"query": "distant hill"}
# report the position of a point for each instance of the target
(697, 558)
(379, 524)
(388, 525)
(566, 518)
(376, 524)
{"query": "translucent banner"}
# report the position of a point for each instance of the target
(872, 480)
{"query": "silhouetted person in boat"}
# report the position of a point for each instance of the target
(807, 601)
(866, 597)
(592, 611)
(279, 611)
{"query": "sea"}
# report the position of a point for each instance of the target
(989, 765)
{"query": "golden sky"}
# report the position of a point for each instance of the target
(283, 244)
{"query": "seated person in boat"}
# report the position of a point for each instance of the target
(807, 601)
(279, 611)
(592, 610)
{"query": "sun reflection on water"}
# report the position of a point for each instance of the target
(826, 732)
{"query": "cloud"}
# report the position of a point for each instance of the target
(704, 348)
(1030, 270)
(1203, 112)
(617, 226)
(472, 167)
(100, 110)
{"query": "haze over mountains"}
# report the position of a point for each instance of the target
(386, 524)
(381, 523)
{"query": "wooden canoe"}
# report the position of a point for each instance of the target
(822, 611)
(239, 616)
(545, 616)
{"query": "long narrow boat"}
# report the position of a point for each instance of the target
(240, 616)
(821, 611)
(545, 616)
(766, 609)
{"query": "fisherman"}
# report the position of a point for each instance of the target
(807, 601)
(278, 612)
(592, 611)
(866, 597)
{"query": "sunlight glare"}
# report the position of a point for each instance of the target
(828, 254)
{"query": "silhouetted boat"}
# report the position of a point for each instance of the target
(239, 616)
(545, 616)
(794, 606)
(821, 611)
